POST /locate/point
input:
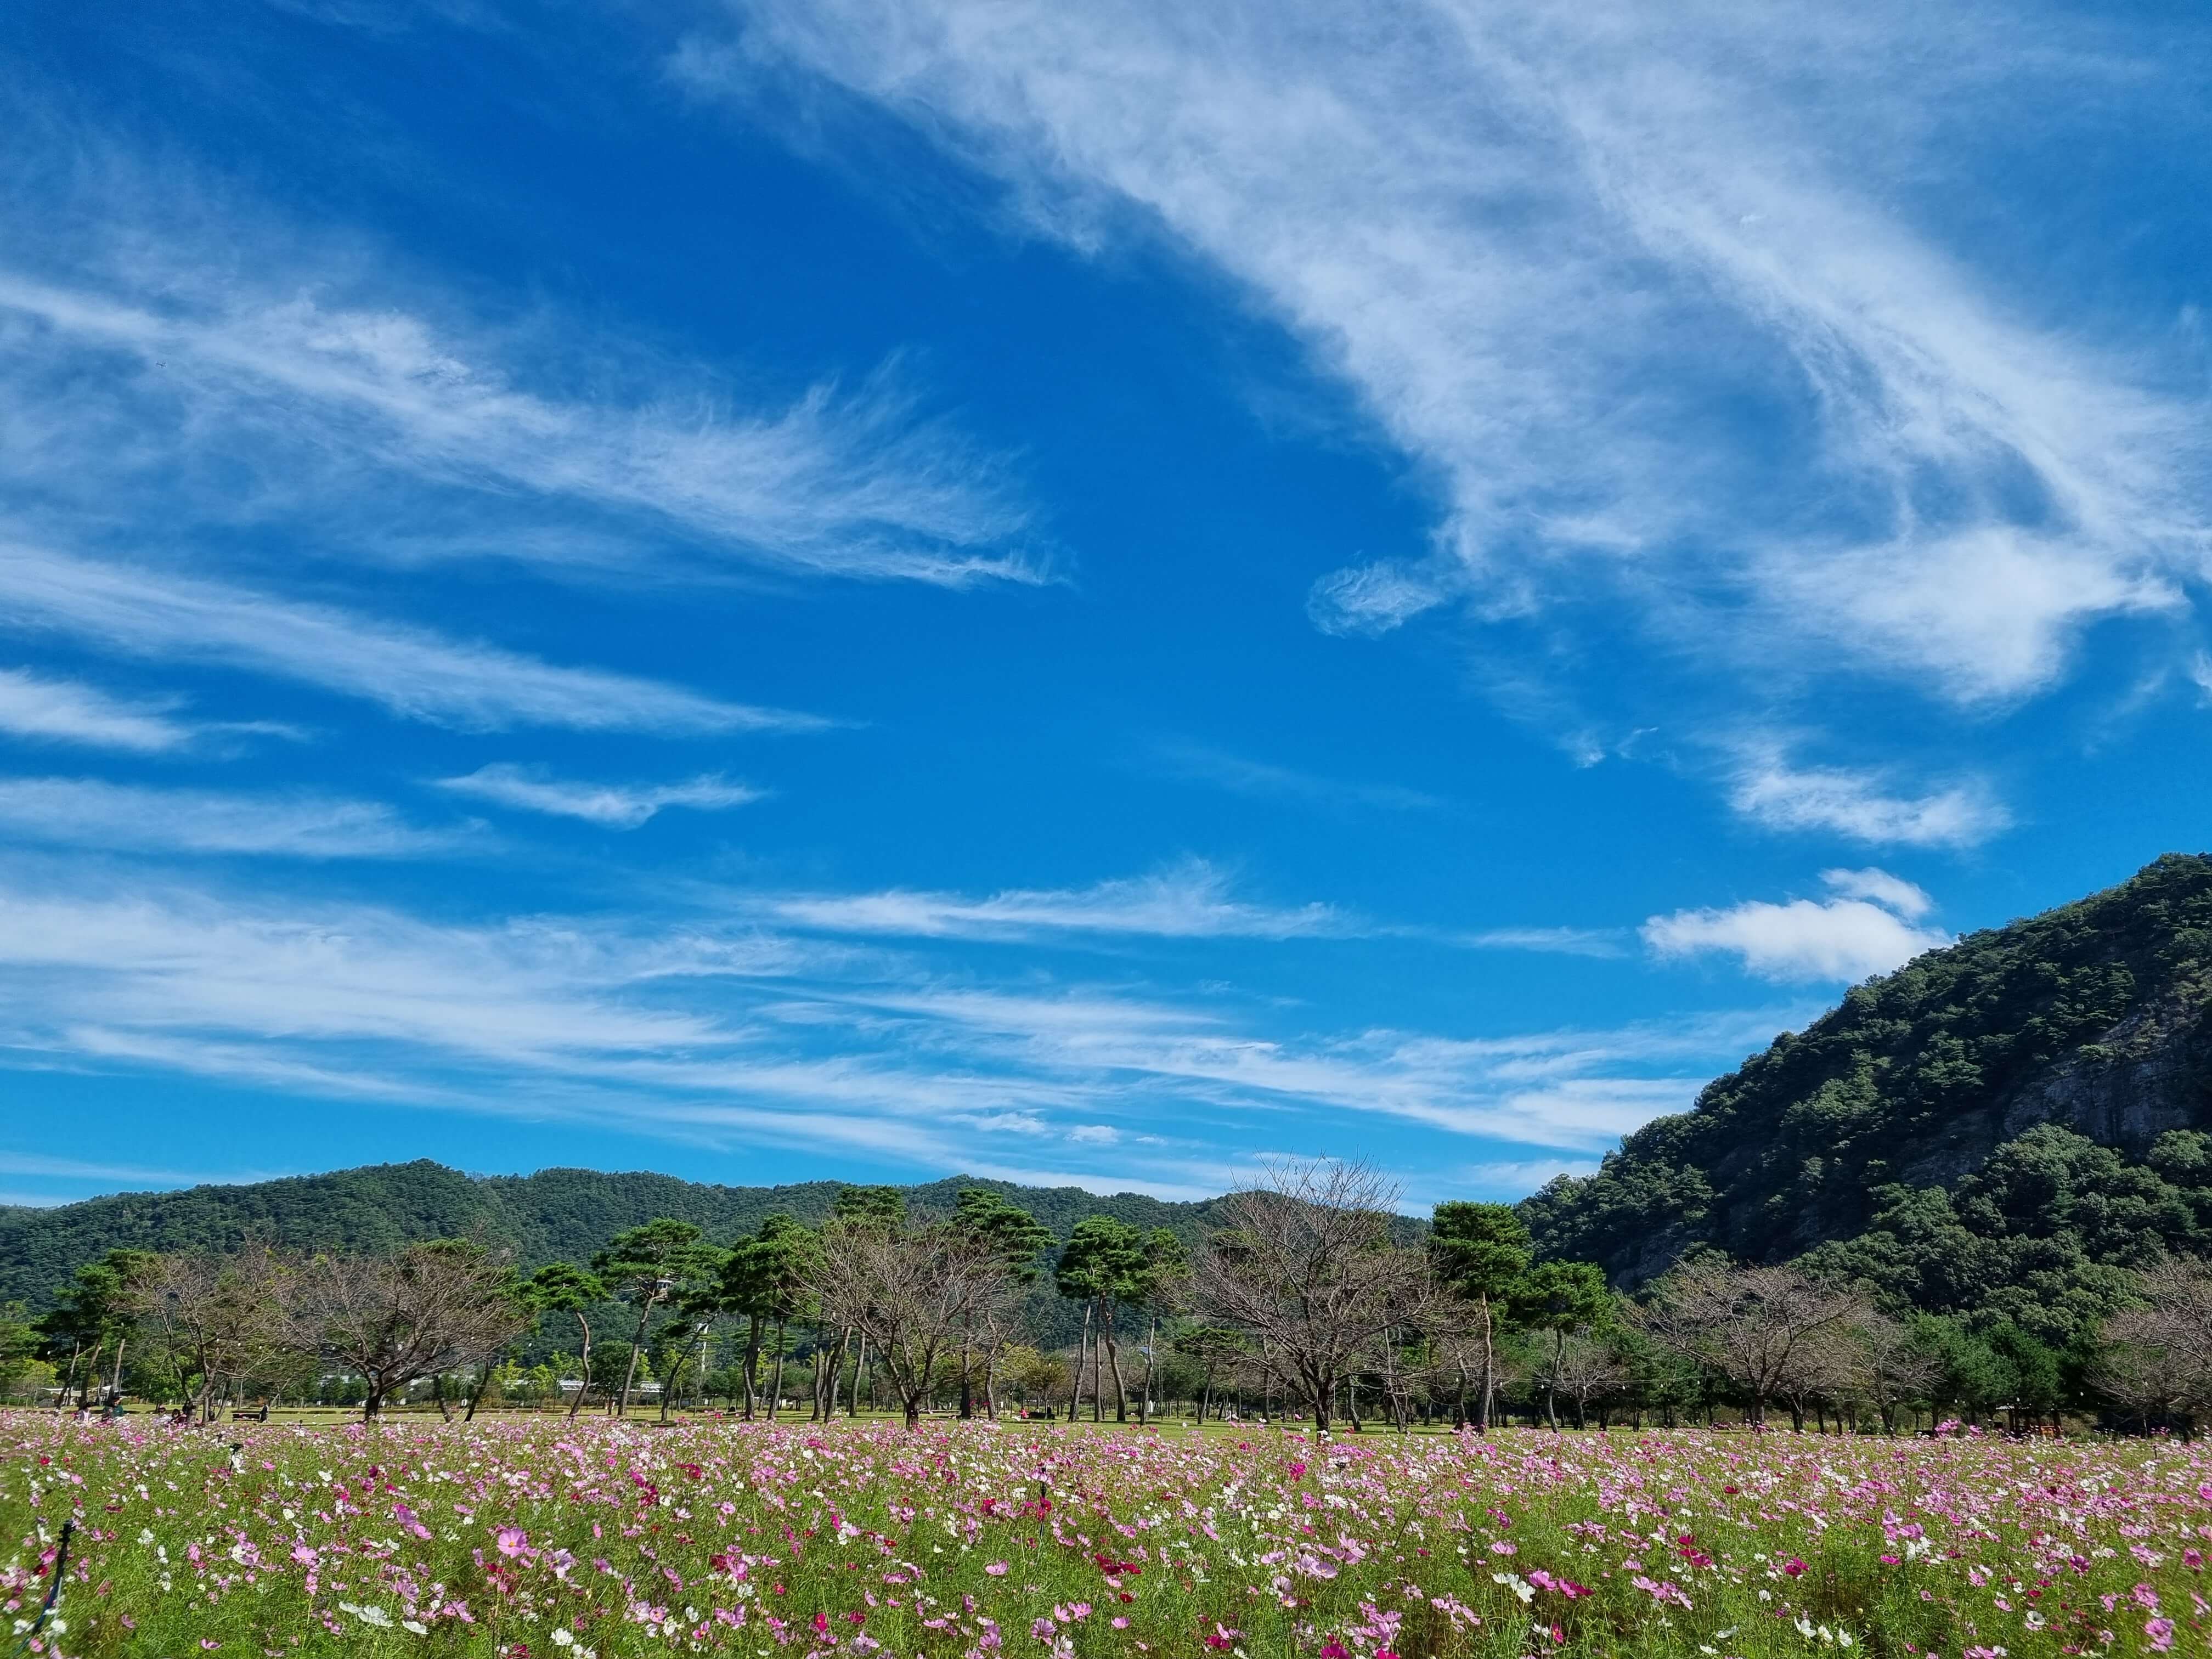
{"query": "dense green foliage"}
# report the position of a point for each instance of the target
(555, 1215)
(1998, 1127)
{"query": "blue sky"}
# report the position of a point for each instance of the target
(772, 588)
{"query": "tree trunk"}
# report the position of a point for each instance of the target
(437, 1394)
(1552, 1381)
(860, 1370)
(1489, 1367)
(1082, 1355)
(477, 1393)
(115, 1388)
(752, 1363)
(967, 1380)
(91, 1371)
(1152, 1342)
(775, 1389)
(1114, 1360)
(636, 1342)
(584, 1381)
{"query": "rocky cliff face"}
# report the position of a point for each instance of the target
(2096, 1018)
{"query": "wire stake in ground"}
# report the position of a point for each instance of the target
(53, 1591)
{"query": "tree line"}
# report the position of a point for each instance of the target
(1308, 1298)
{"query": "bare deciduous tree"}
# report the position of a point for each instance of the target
(1584, 1368)
(1760, 1327)
(2158, 1355)
(1822, 1370)
(1307, 1264)
(212, 1316)
(915, 1292)
(1891, 1367)
(420, 1311)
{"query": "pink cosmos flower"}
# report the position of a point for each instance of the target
(2160, 1633)
(997, 1570)
(1793, 1567)
(512, 1540)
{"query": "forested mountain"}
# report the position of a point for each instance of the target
(1998, 1125)
(554, 1215)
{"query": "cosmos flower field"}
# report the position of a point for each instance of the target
(533, 1538)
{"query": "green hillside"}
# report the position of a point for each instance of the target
(2000, 1123)
(556, 1214)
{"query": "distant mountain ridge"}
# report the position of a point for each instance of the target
(554, 1214)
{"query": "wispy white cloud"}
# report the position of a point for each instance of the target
(1667, 314)
(1565, 1089)
(1240, 775)
(1597, 942)
(616, 806)
(51, 710)
(1868, 929)
(1892, 893)
(409, 671)
(1863, 805)
(702, 1034)
(86, 812)
(317, 382)
(1191, 900)
(1499, 1178)
(39, 1165)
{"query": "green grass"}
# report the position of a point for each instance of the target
(501, 1537)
